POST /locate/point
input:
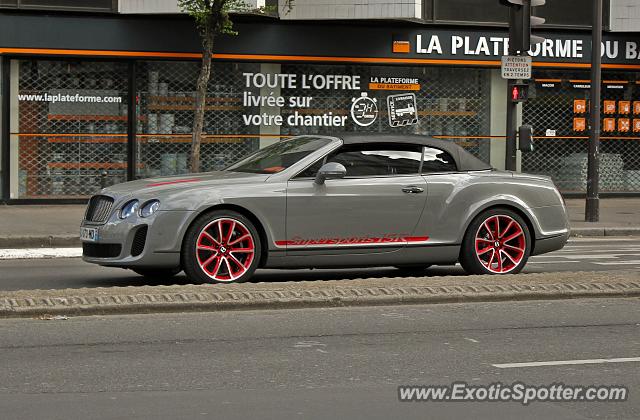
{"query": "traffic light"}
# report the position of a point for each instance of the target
(520, 23)
(519, 92)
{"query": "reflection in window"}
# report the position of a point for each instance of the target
(382, 162)
(436, 160)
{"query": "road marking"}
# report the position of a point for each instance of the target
(38, 253)
(308, 344)
(602, 239)
(567, 362)
(554, 262)
(473, 340)
(618, 262)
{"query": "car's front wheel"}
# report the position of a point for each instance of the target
(221, 247)
(496, 242)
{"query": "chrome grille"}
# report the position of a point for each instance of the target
(99, 208)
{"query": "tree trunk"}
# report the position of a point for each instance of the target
(201, 99)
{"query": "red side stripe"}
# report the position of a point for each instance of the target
(180, 181)
(365, 241)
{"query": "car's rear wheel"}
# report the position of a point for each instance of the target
(157, 273)
(496, 242)
(221, 247)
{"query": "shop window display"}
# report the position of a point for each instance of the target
(68, 131)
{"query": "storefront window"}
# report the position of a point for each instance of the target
(166, 103)
(68, 127)
(252, 105)
(559, 112)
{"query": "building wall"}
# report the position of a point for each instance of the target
(625, 15)
(354, 9)
(162, 6)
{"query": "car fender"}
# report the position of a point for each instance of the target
(503, 200)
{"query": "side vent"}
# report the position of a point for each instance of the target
(139, 240)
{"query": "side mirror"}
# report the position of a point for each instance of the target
(331, 170)
(525, 133)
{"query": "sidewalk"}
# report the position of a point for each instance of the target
(58, 225)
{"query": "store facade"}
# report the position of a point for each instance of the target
(93, 101)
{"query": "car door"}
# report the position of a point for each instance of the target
(375, 208)
(440, 220)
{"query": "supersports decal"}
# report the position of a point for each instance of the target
(359, 241)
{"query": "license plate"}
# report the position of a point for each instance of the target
(88, 234)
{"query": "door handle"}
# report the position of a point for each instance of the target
(412, 189)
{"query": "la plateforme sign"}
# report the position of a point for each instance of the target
(557, 47)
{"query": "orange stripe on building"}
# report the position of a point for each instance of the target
(301, 58)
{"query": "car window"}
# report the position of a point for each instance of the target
(436, 160)
(279, 156)
(373, 160)
(312, 170)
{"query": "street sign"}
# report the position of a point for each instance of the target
(516, 67)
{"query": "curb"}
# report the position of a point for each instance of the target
(42, 241)
(336, 293)
(605, 231)
(73, 240)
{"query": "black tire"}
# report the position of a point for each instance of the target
(230, 268)
(157, 273)
(481, 260)
(413, 268)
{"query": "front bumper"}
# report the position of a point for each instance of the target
(124, 243)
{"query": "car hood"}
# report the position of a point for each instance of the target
(158, 186)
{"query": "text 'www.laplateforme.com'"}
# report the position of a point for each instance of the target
(515, 392)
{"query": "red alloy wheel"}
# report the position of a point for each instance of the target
(500, 244)
(225, 249)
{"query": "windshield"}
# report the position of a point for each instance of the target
(279, 156)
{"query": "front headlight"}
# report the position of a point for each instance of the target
(129, 209)
(149, 208)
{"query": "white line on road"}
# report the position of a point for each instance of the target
(38, 253)
(603, 239)
(584, 257)
(567, 362)
(618, 262)
(554, 262)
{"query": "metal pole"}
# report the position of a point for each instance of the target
(132, 122)
(510, 161)
(592, 205)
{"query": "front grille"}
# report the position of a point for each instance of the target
(99, 208)
(139, 240)
(101, 250)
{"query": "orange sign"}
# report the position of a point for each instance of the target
(624, 107)
(609, 107)
(393, 86)
(579, 124)
(636, 107)
(579, 106)
(624, 125)
(401, 47)
(636, 125)
(609, 124)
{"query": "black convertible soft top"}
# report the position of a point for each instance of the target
(465, 161)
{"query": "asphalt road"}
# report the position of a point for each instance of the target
(586, 254)
(316, 363)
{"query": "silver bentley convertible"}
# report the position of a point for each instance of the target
(329, 202)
